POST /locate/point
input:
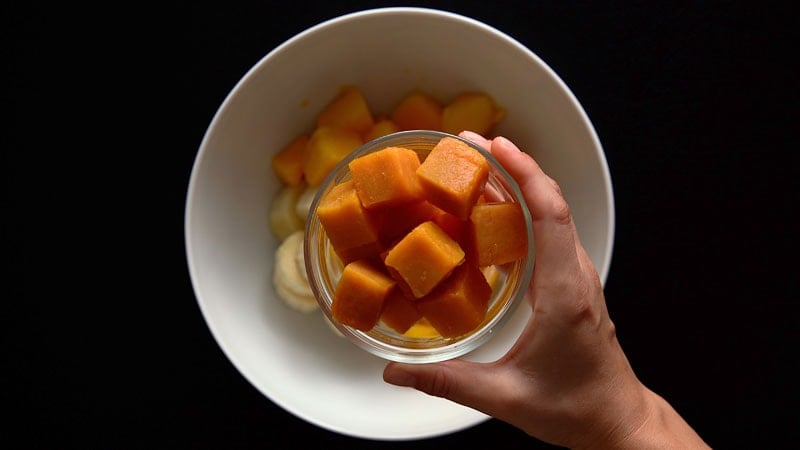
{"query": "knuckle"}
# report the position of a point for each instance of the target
(439, 385)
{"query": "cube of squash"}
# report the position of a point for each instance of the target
(289, 163)
(347, 225)
(453, 176)
(423, 258)
(497, 233)
(452, 225)
(418, 111)
(360, 294)
(422, 330)
(459, 304)
(399, 311)
(473, 111)
(381, 128)
(327, 147)
(394, 222)
(386, 177)
(348, 110)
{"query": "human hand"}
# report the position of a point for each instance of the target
(566, 380)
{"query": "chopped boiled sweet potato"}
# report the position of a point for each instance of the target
(453, 176)
(386, 177)
(473, 111)
(360, 294)
(394, 222)
(348, 110)
(422, 330)
(498, 233)
(290, 162)
(347, 225)
(452, 225)
(381, 128)
(399, 312)
(327, 146)
(423, 258)
(418, 111)
(459, 304)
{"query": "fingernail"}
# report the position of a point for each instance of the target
(474, 137)
(399, 377)
(500, 140)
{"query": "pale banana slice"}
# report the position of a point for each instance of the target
(289, 284)
(300, 303)
(492, 275)
(283, 220)
(286, 266)
(303, 204)
(300, 261)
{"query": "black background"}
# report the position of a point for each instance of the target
(105, 107)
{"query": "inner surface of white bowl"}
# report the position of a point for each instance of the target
(292, 358)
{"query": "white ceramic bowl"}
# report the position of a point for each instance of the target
(294, 359)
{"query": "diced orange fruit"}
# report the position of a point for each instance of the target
(473, 111)
(399, 311)
(327, 146)
(422, 330)
(394, 222)
(289, 163)
(348, 110)
(418, 111)
(359, 296)
(347, 225)
(381, 128)
(452, 225)
(423, 258)
(459, 304)
(497, 233)
(453, 176)
(386, 177)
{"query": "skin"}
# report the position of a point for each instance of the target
(566, 380)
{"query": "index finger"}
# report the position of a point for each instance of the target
(553, 229)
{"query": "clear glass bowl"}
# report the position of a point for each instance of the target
(324, 267)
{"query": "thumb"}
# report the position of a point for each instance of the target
(481, 386)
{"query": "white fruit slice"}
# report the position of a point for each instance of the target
(303, 304)
(283, 220)
(289, 284)
(300, 262)
(303, 204)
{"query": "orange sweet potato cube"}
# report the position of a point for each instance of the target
(289, 163)
(399, 311)
(473, 111)
(418, 111)
(326, 147)
(452, 225)
(381, 128)
(386, 177)
(453, 176)
(423, 258)
(348, 110)
(347, 225)
(360, 294)
(459, 304)
(497, 233)
(394, 222)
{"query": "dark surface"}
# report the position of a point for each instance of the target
(105, 347)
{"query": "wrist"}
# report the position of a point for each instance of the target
(658, 426)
